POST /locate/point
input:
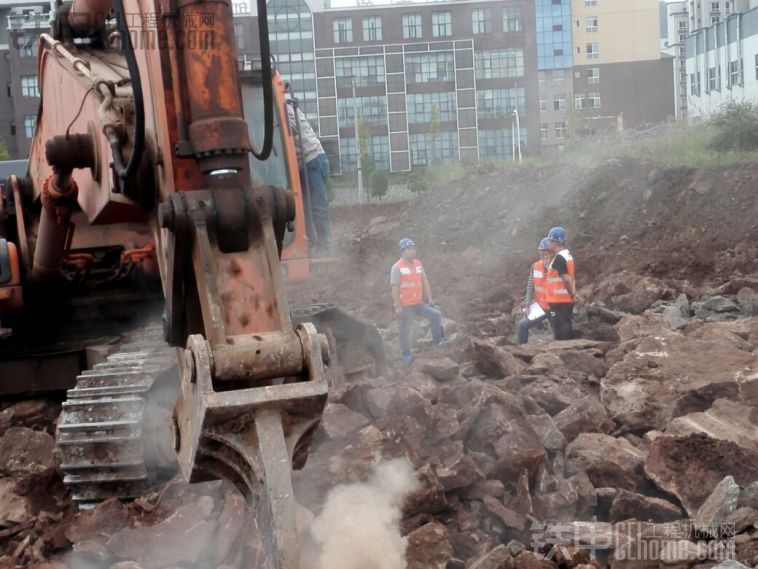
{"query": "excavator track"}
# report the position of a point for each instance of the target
(110, 440)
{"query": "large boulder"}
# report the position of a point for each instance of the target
(725, 421)
(717, 507)
(631, 505)
(495, 361)
(664, 378)
(587, 415)
(428, 547)
(608, 461)
(690, 466)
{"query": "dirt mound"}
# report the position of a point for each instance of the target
(477, 235)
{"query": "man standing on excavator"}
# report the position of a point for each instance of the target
(314, 169)
(560, 287)
(410, 288)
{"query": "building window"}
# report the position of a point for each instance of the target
(27, 45)
(495, 143)
(348, 154)
(371, 109)
(9, 88)
(412, 26)
(372, 28)
(429, 67)
(499, 63)
(682, 26)
(592, 51)
(239, 34)
(560, 130)
(380, 151)
(29, 86)
(430, 107)
(481, 21)
(544, 131)
(499, 103)
(695, 80)
(593, 100)
(579, 101)
(425, 148)
(343, 30)
(543, 104)
(715, 6)
(756, 65)
(735, 73)
(559, 103)
(442, 24)
(365, 70)
(593, 75)
(714, 83)
(512, 19)
(591, 24)
(29, 123)
(715, 20)
(590, 2)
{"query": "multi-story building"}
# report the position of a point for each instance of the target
(21, 23)
(554, 64)
(437, 81)
(621, 79)
(676, 31)
(705, 13)
(722, 64)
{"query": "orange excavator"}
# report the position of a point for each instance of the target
(147, 215)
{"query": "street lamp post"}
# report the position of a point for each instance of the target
(357, 144)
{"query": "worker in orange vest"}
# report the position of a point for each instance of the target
(535, 294)
(412, 296)
(560, 286)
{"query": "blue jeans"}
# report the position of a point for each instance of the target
(317, 224)
(522, 335)
(425, 311)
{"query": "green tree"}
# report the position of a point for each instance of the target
(3, 150)
(380, 183)
(736, 127)
(418, 181)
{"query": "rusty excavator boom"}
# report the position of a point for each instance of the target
(140, 200)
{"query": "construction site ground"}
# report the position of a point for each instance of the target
(633, 446)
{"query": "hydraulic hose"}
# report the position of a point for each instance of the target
(268, 90)
(125, 170)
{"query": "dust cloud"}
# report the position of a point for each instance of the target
(359, 526)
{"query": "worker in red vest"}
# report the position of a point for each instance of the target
(560, 287)
(535, 308)
(412, 296)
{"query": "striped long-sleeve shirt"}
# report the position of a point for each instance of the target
(529, 297)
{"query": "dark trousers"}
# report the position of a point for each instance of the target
(522, 332)
(561, 320)
(425, 311)
(319, 231)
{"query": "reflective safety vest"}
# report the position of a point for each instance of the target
(555, 289)
(411, 282)
(538, 279)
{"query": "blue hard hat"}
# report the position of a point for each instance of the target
(557, 234)
(543, 245)
(405, 244)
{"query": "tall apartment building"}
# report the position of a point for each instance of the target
(722, 64)
(620, 77)
(705, 13)
(21, 23)
(554, 64)
(437, 81)
(677, 29)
